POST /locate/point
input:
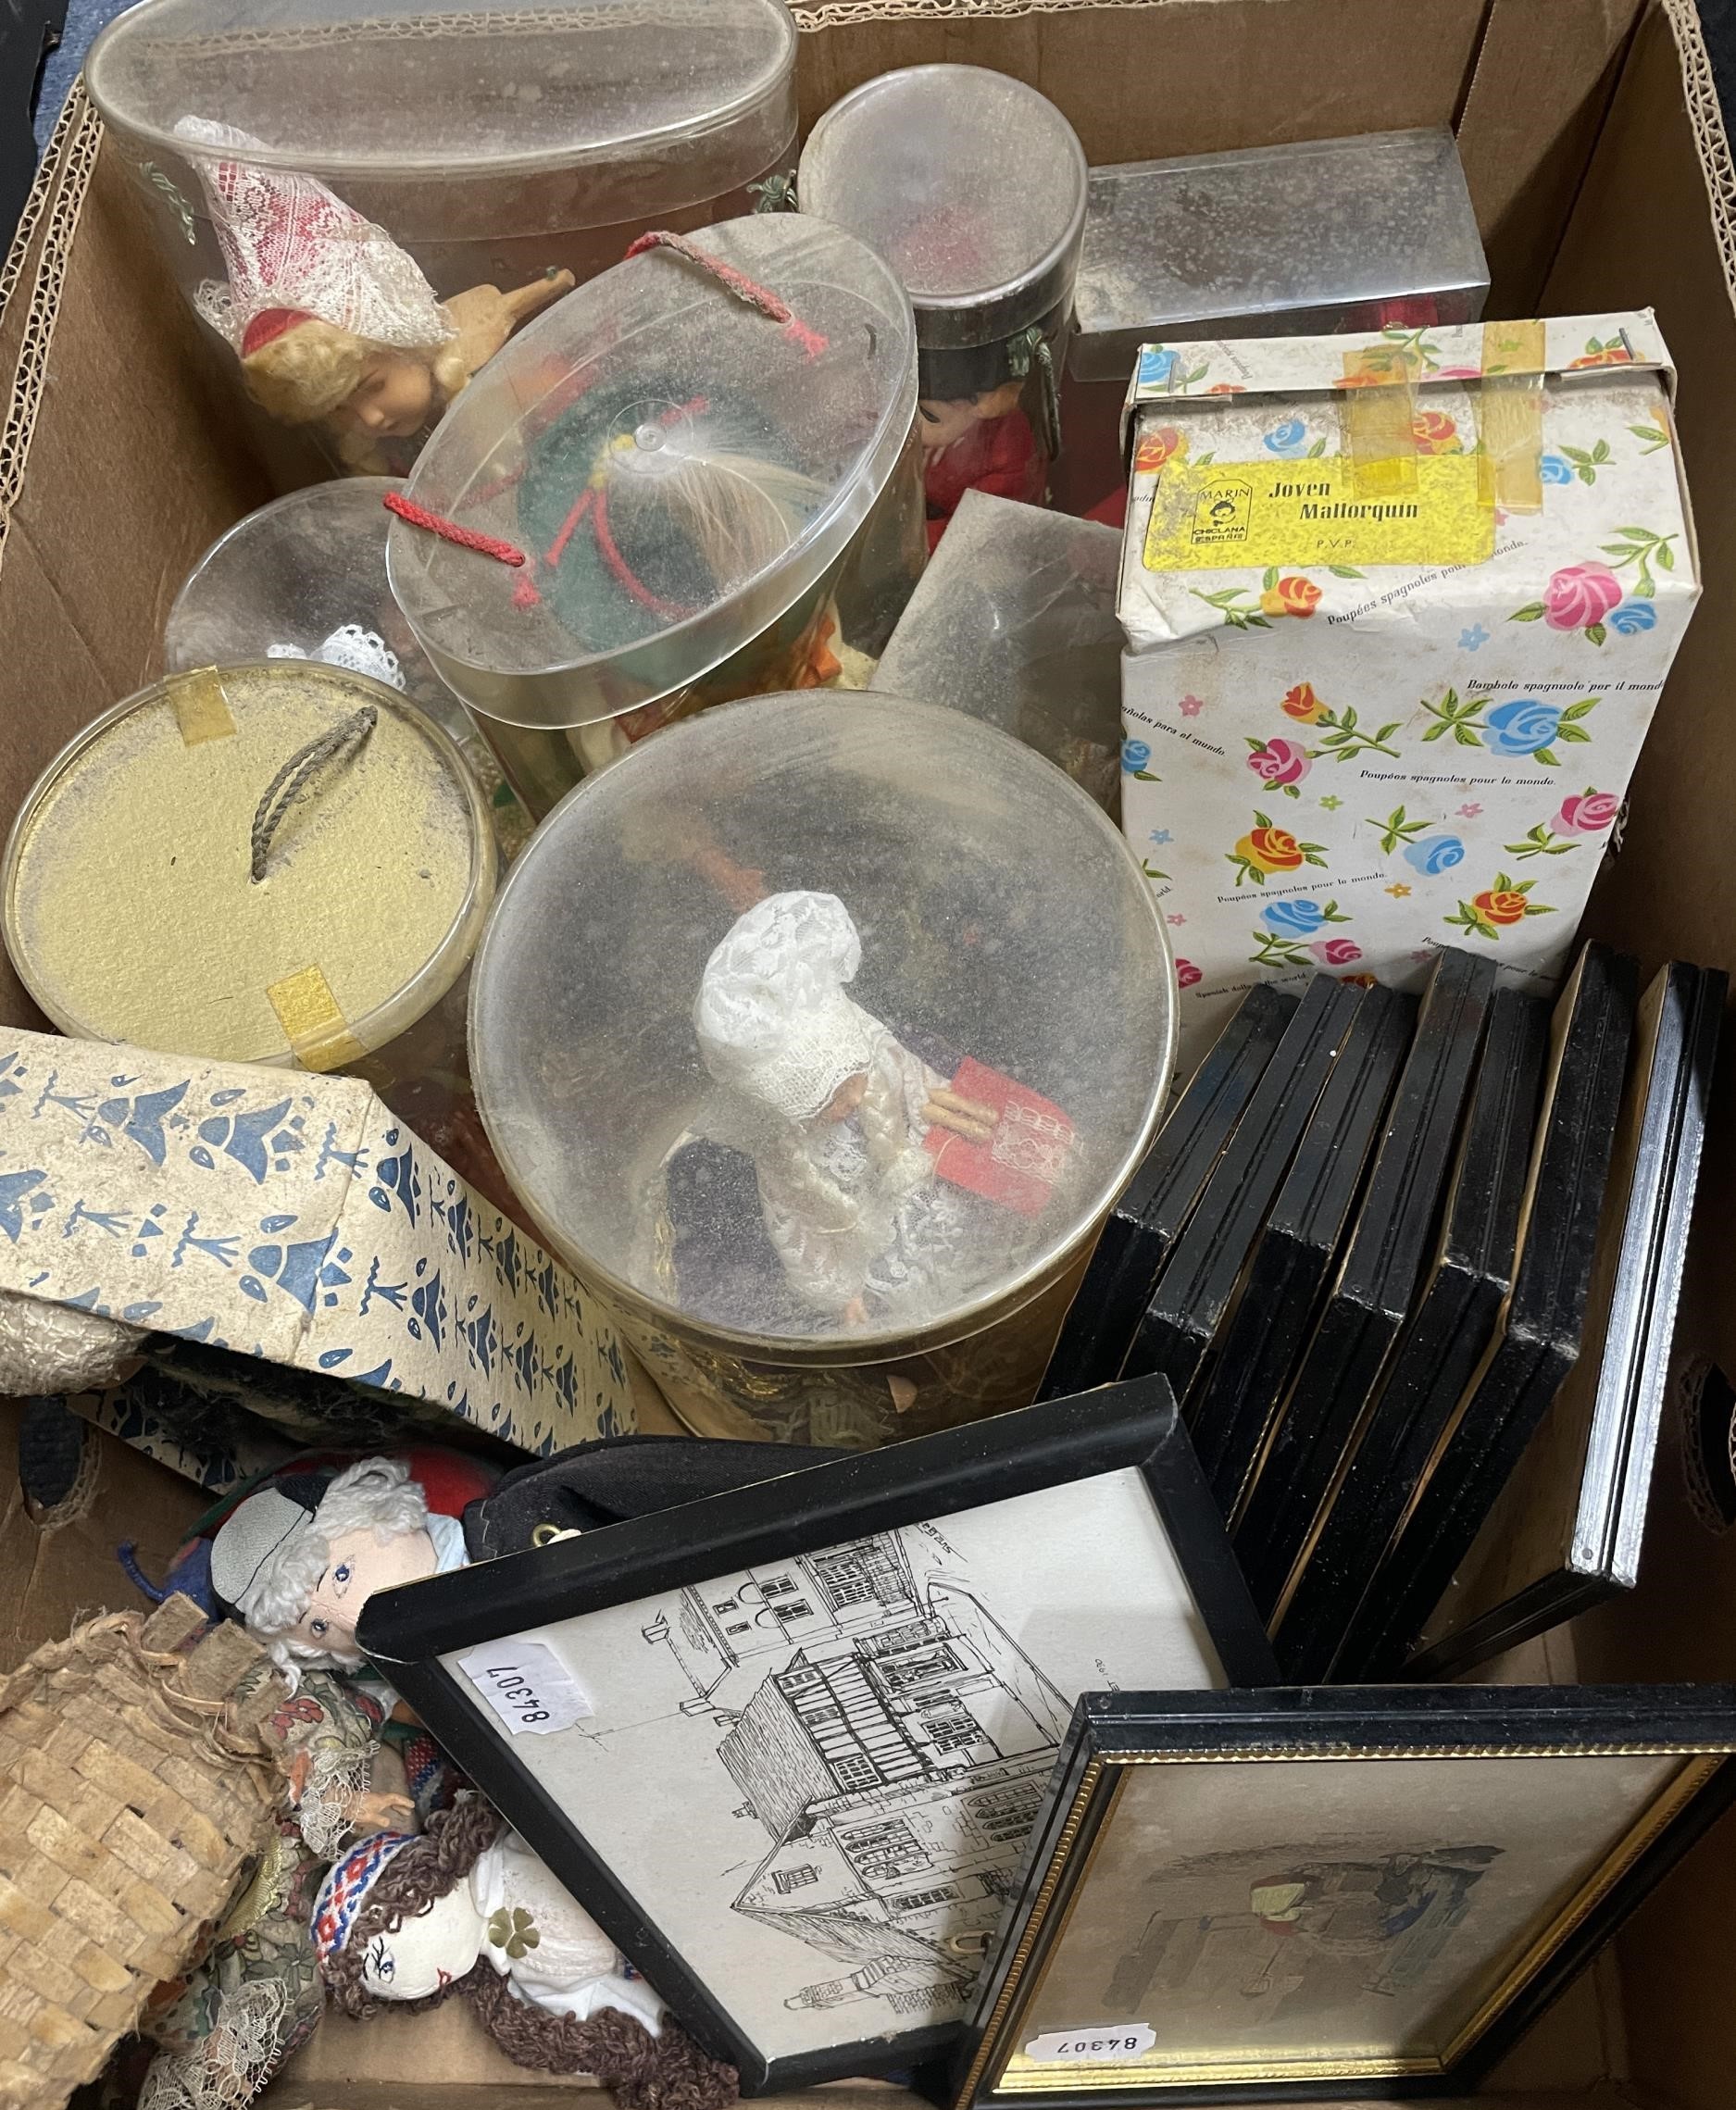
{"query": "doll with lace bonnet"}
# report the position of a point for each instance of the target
(470, 1909)
(332, 320)
(831, 1109)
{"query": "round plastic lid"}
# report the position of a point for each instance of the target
(676, 466)
(821, 1028)
(375, 88)
(971, 185)
(304, 578)
(131, 909)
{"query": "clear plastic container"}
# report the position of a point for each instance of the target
(133, 911)
(304, 578)
(372, 160)
(820, 1039)
(973, 186)
(1014, 622)
(1324, 235)
(691, 498)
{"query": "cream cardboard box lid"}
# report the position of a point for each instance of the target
(1392, 648)
(291, 1217)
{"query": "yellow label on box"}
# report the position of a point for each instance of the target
(1231, 514)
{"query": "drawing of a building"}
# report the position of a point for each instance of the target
(893, 1742)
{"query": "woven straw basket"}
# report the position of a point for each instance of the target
(134, 1787)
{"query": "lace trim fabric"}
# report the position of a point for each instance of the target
(234, 2062)
(288, 241)
(350, 646)
(336, 1781)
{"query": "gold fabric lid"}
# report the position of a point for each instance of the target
(131, 909)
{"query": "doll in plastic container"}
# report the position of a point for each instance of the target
(883, 1181)
(332, 320)
(469, 1909)
(975, 435)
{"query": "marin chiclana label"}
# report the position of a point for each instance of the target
(1093, 2046)
(527, 1685)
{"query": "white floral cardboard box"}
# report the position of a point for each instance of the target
(1398, 611)
(290, 1218)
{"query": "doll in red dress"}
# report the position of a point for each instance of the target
(976, 442)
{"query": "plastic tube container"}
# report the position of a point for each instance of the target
(973, 187)
(821, 1040)
(304, 578)
(694, 480)
(1323, 235)
(486, 146)
(133, 911)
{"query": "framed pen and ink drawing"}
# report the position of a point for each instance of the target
(788, 1744)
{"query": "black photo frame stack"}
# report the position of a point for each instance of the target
(1566, 1531)
(1450, 1327)
(1537, 1336)
(1382, 1266)
(1146, 1221)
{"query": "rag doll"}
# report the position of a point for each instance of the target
(882, 1181)
(470, 1909)
(332, 320)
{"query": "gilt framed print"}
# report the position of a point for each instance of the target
(1330, 1892)
(787, 1745)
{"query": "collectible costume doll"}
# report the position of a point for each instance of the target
(837, 1179)
(332, 320)
(470, 1909)
(981, 442)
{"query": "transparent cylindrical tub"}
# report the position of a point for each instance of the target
(154, 893)
(694, 481)
(304, 578)
(972, 185)
(381, 168)
(821, 1037)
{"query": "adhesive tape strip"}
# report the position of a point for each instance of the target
(1510, 416)
(317, 1030)
(1378, 414)
(201, 707)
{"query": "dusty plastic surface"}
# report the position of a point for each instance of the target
(682, 473)
(928, 907)
(1275, 241)
(131, 910)
(971, 184)
(1014, 623)
(304, 578)
(456, 125)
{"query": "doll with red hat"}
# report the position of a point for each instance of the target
(332, 320)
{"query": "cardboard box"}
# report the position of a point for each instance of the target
(292, 1219)
(1399, 608)
(1599, 165)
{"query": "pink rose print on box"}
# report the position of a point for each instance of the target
(1336, 952)
(1588, 812)
(1278, 762)
(1580, 596)
(1187, 974)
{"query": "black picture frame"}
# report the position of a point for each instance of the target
(1566, 1531)
(1115, 1733)
(406, 1633)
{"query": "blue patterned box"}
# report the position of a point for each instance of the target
(290, 1218)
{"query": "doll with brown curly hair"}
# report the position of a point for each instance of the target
(468, 1908)
(333, 323)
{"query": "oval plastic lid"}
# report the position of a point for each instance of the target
(131, 913)
(678, 466)
(972, 186)
(1009, 951)
(384, 87)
